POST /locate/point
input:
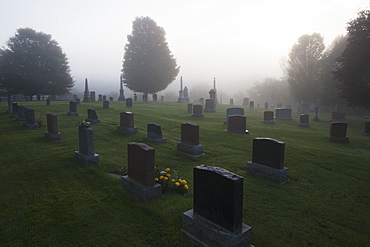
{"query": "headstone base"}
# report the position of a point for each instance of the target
(239, 132)
(88, 159)
(336, 120)
(71, 113)
(193, 151)
(31, 126)
(209, 110)
(53, 137)
(284, 118)
(139, 191)
(203, 233)
(197, 115)
(127, 130)
(338, 139)
(154, 140)
(269, 173)
(94, 121)
(304, 125)
(268, 121)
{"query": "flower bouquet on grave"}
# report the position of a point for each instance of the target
(170, 182)
(85, 124)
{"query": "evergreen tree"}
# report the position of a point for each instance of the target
(148, 65)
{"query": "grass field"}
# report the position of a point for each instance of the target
(50, 198)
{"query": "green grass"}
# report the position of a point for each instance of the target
(50, 198)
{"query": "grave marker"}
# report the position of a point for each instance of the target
(338, 132)
(86, 151)
(210, 106)
(304, 121)
(197, 111)
(367, 129)
(105, 104)
(30, 119)
(129, 103)
(52, 134)
(92, 116)
(127, 125)
(237, 124)
(251, 105)
(231, 101)
(190, 108)
(73, 108)
(154, 134)
(283, 114)
(268, 117)
(21, 114)
(233, 111)
(189, 144)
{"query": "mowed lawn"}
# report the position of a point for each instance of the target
(50, 198)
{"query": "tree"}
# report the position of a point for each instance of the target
(148, 66)
(304, 67)
(353, 67)
(34, 64)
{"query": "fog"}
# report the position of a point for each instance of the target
(237, 42)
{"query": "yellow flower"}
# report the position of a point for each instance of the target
(165, 178)
(161, 177)
(184, 181)
(180, 180)
(167, 169)
(186, 187)
(168, 175)
(177, 184)
(173, 180)
(155, 179)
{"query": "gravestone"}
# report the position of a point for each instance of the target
(245, 101)
(30, 119)
(189, 144)
(47, 101)
(283, 114)
(145, 98)
(305, 108)
(21, 113)
(127, 125)
(86, 151)
(105, 104)
(233, 111)
(155, 96)
(128, 103)
(100, 97)
(266, 105)
(216, 219)
(78, 100)
(10, 102)
(92, 96)
(73, 108)
(304, 121)
(135, 97)
(15, 109)
(338, 132)
(110, 98)
(141, 172)
(201, 100)
(316, 118)
(104, 97)
(162, 98)
(52, 134)
(197, 111)
(251, 105)
(190, 108)
(337, 116)
(210, 106)
(237, 124)
(92, 116)
(268, 117)
(367, 129)
(268, 160)
(154, 134)
(231, 101)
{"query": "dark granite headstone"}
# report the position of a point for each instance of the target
(316, 118)
(190, 133)
(210, 106)
(304, 120)
(237, 123)
(104, 97)
(154, 134)
(47, 101)
(10, 102)
(100, 97)
(86, 146)
(162, 98)
(92, 96)
(127, 123)
(367, 129)
(78, 100)
(233, 111)
(268, 152)
(245, 101)
(15, 109)
(338, 132)
(30, 119)
(145, 98)
(141, 162)
(231, 101)
(251, 105)
(135, 97)
(155, 97)
(190, 108)
(283, 114)
(92, 116)
(128, 103)
(52, 133)
(73, 108)
(197, 111)
(268, 116)
(110, 98)
(105, 104)
(21, 114)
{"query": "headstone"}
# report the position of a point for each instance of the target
(73, 108)
(268, 117)
(268, 160)
(21, 113)
(339, 108)
(304, 121)
(305, 108)
(135, 97)
(231, 101)
(186, 94)
(197, 111)
(245, 101)
(201, 100)
(92, 116)
(189, 144)
(154, 134)
(367, 129)
(86, 92)
(141, 172)
(162, 98)
(190, 108)
(251, 105)
(47, 101)
(337, 116)
(266, 105)
(104, 97)
(100, 97)
(212, 95)
(105, 104)
(110, 98)
(15, 109)
(78, 100)
(145, 98)
(52, 134)
(338, 132)
(283, 114)
(237, 124)
(127, 125)
(210, 106)
(316, 118)
(128, 103)
(86, 145)
(155, 96)
(10, 102)
(181, 98)
(30, 119)
(92, 96)
(216, 219)
(233, 111)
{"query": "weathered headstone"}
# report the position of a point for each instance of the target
(237, 123)
(251, 105)
(338, 132)
(367, 129)
(128, 103)
(100, 97)
(92, 116)
(105, 104)
(154, 134)
(268, 117)
(47, 101)
(304, 121)
(305, 108)
(145, 98)
(201, 100)
(216, 219)
(127, 125)
(15, 109)
(337, 116)
(268, 160)
(245, 101)
(135, 97)
(155, 97)
(86, 151)
(316, 118)
(30, 119)
(233, 111)
(52, 134)
(92, 96)
(110, 98)
(10, 102)
(190, 108)
(210, 106)
(197, 111)
(104, 97)
(21, 113)
(283, 114)
(189, 144)
(231, 101)
(141, 172)
(162, 98)
(73, 108)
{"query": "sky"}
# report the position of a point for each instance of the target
(238, 42)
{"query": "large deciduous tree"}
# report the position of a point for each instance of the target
(353, 66)
(304, 67)
(34, 64)
(148, 66)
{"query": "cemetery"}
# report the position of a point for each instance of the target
(60, 193)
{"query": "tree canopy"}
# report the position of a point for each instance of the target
(34, 64)
(353, 67)
(304, 67)
(148, 66)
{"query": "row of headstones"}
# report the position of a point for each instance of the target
(23, 114)
(106, 104)
(103, 97)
